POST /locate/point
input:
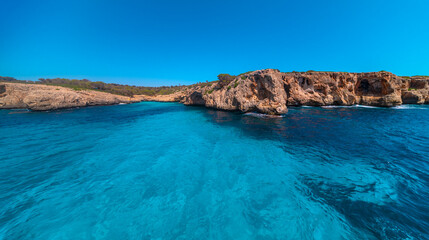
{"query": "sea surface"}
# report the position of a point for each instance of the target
(168, 171)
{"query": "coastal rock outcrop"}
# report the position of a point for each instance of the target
(415, 90)
(271, 91)
(40, 97)
(174, 97)
(261, 92)
(266, 91)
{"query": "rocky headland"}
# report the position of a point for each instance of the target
(40, 97)
(271, 91)
(266, 91)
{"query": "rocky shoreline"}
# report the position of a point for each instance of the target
(38, 97)
(271, 91)
(266, 91)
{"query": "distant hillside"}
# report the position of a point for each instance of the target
(84, 84)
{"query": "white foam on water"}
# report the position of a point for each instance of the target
(365, 106)
(345, 106)
(410, 107)
(262, 115)
(406, 106)
(337, 106)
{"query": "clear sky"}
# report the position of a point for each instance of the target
(161, 42)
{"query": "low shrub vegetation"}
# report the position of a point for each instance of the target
(225, 79)
(113, 88)
(236, 83)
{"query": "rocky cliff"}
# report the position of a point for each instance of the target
(271, 91)
(266, 91)
(40, 97)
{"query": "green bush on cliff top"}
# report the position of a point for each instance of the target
(225, 79)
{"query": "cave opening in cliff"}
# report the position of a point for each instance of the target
(363, 86)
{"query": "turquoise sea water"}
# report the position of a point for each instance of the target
(167, 171)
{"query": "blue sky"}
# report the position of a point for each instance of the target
(162, 42)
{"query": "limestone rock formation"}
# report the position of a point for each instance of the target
(174, 97)
(40, 97)
(271, 91)
(415, 90)
(266, 91)
(259, 92)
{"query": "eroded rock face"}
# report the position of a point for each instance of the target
(271, 91)
(174, 97)
(42, 97)
(259, 92)
(337, 88)
(415, 91)
(2, 89)
(266, 91)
